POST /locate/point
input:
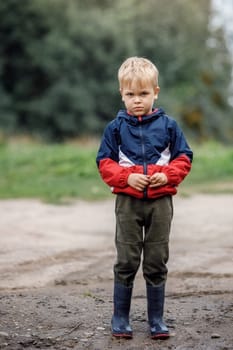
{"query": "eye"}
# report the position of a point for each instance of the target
(129, 94)
(145, 93)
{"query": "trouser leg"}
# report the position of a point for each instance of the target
(156, 241)
(128, 239)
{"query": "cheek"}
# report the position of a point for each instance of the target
(126, 101)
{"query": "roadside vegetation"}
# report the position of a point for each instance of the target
(60, 173)
(212, 170)
(59, 72)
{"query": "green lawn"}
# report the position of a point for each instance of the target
(212, 170)
(60, 173)
(51, 172)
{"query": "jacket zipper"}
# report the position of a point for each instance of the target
(143, 154)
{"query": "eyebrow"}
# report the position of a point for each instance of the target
(140, 91)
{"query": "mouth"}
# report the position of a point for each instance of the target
(138, 108)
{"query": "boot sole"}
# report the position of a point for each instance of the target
(161, 336)
(122, 335)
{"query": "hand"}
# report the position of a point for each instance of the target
(138, 181)
(158, 179)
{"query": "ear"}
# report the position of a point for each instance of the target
(156, 92)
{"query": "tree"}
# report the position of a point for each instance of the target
(59, 62)
(22, 79)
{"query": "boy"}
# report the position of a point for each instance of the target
(143, 156)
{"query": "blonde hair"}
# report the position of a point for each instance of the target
(137, 69)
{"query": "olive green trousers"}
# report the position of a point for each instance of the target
(142, 232)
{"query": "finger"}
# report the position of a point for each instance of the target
(157, 184)
(155, 179)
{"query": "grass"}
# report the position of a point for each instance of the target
(212, 170)
(60, 173)
(53, 173)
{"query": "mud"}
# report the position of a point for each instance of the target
(56, 277)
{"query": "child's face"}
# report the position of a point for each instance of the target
(139, 98)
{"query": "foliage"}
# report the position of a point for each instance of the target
(59, 62)
(59, 173)
(51, 172)
(212, 170)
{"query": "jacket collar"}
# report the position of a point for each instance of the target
(157, 112)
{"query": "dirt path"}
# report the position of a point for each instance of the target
(56, 277)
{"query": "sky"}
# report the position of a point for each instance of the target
(224, 17)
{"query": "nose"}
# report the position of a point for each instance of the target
(137, 99)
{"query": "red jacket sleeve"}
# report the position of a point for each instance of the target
(114, 174)
(177, 169)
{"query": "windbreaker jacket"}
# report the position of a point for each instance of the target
(145, 145)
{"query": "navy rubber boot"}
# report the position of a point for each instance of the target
(120, 318)
(155, 304)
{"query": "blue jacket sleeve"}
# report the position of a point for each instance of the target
(179, 145)
(108, 145)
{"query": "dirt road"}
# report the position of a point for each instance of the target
(56, 277)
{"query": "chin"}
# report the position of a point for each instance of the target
(138, 113)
